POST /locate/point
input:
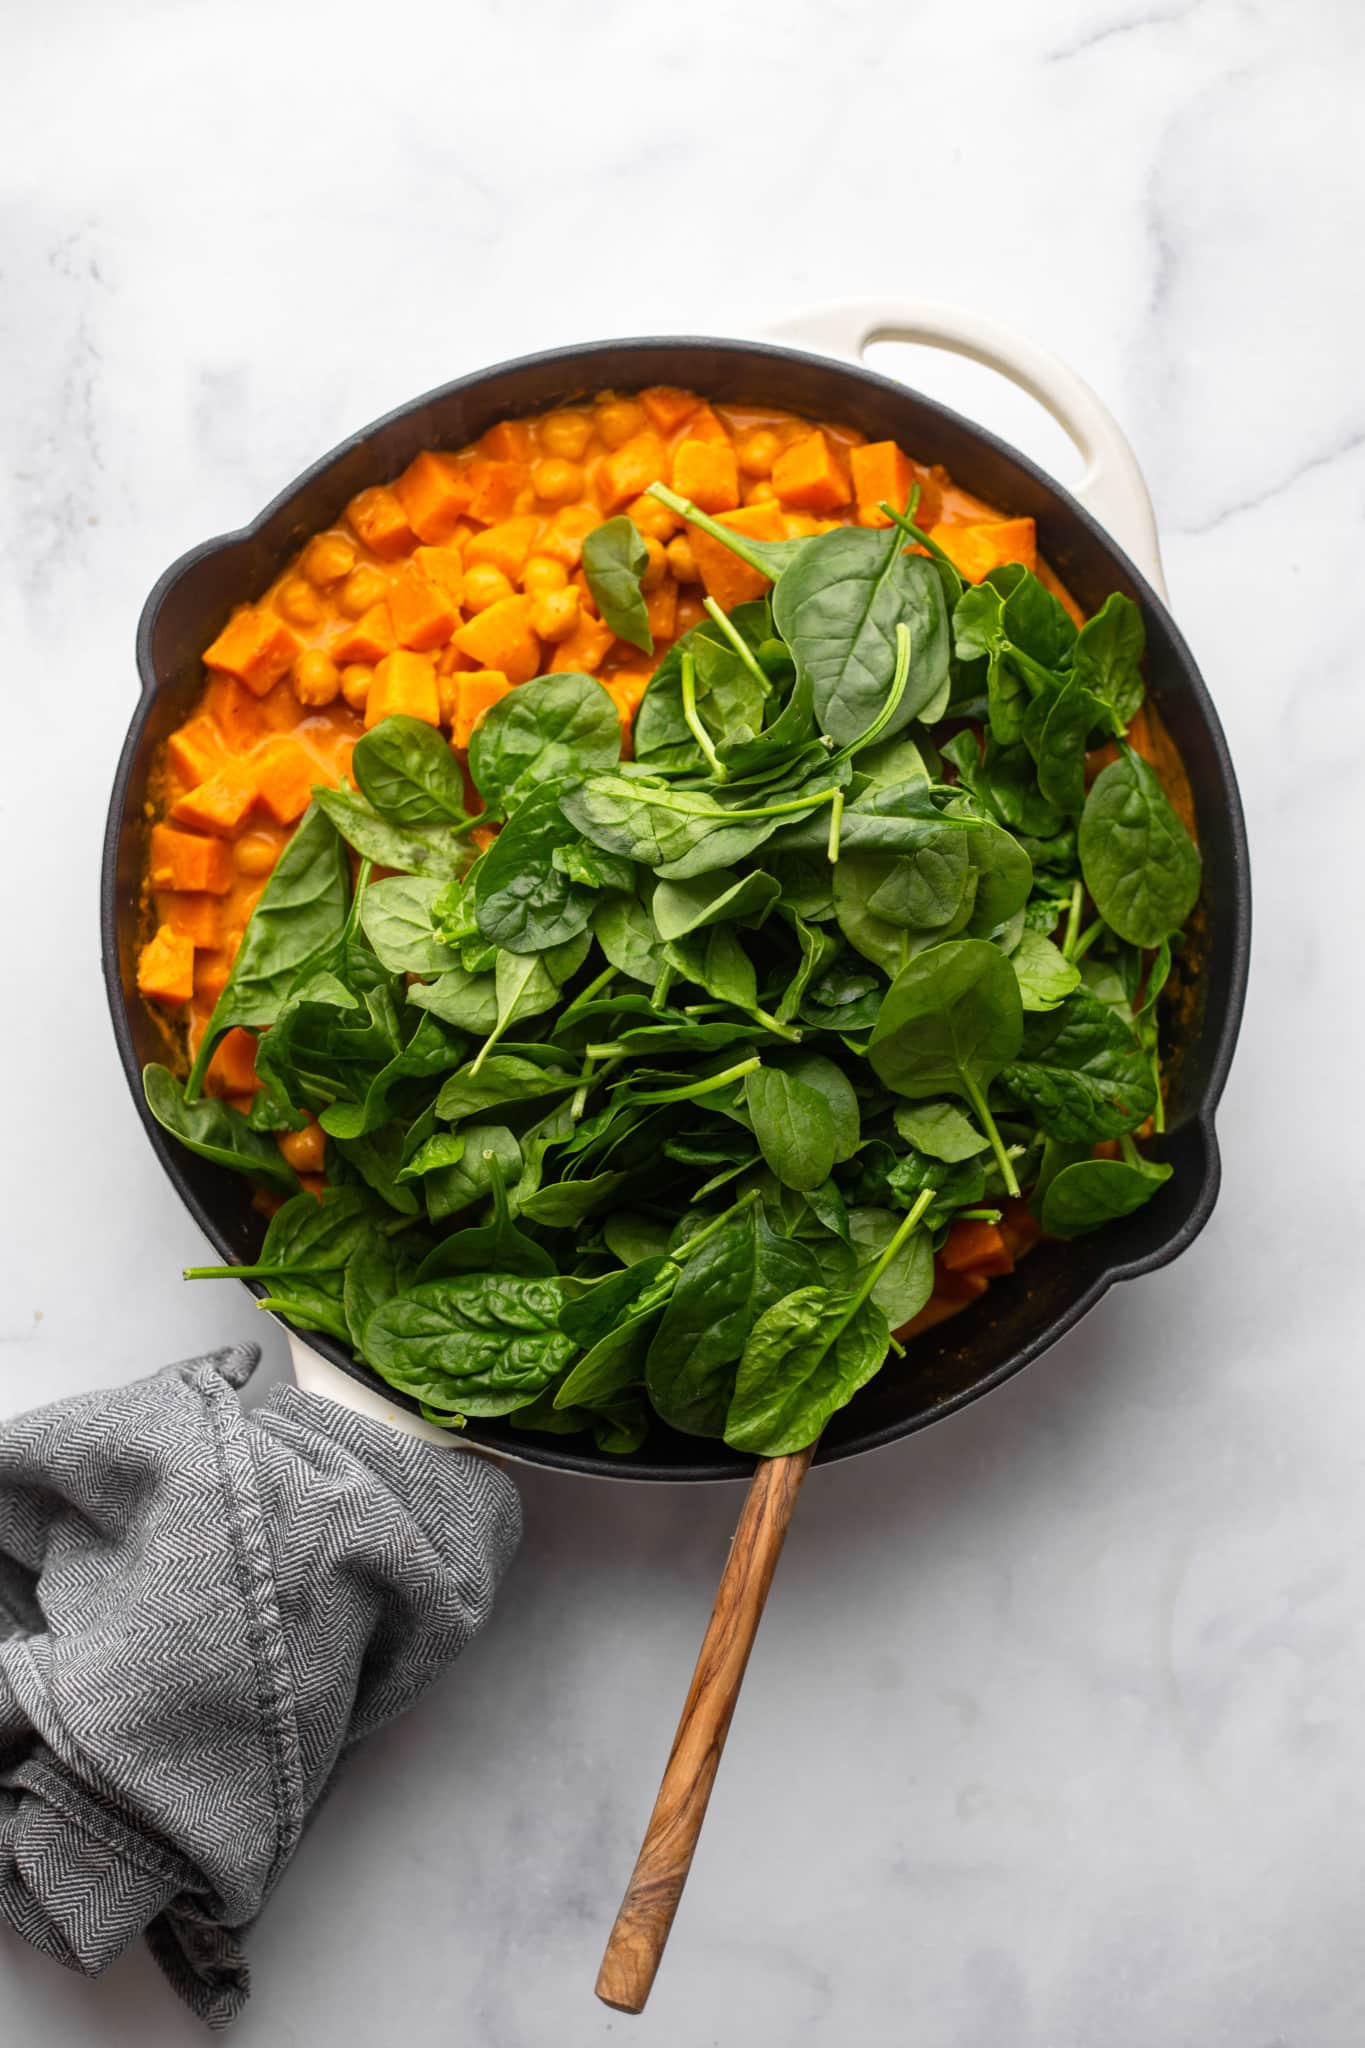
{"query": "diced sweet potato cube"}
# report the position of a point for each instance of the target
(184, 860)
(501, 637)
(194, 750)
(380, 521)
(165, 968)
(626, 689)
(444, 568)
(236, 713)
(563, 538)
(190, 915)
(508, 441)
(254, 646)
(495, 488)
(667, 407)
(434, 495)
(661, 608)
(974, 1246)
(586, 648)
(368, 639)
(285, 774)
(475, 691)
(706, 424)
(729, 580)
(975, 550)
(211, 970)
(631, 469)
(404, 683)
(232, 1070)
(505, 545)
(881, 470)
(808, 476)
(422, 613)
(707, 472)
(218, 805)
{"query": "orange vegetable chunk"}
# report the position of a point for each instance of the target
(218, 805)
(495, 488)
(668, 407)
(707, 472)
(727, 579)
(184, 860)
(976, 1247)
(232, 1070)
(369, 639)
(434, 495)
(379, 520)
(880, 470)
(285, 774)
(476, 690)
(586, 648)
(444, 568)
(661, 609)
(508, 441)
(195, 749)
(236, 713)
(254, 646)
(422, 613)
(405, 683)
(976, 550)
(306, 1150)
(190, 915)
(631, 469)
(165, 968)
(501, 637)
(807, 476)
(505, 545)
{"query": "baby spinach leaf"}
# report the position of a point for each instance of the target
(614, 559)
(311, 1301)
(408, 773)
(471, 1344)
(951, 1021)
(522, 900)
(1080, 1072)
(214, 1130)
(718, 898)
(725, 1286)
(414, 849)
(677, 832)
(728, 695)
(1044, 974)
(903, 1286)
(431, 1050)
(468, 1001)
(487, 1151)
(376, 1158)
(398, 920)
(496, 1247)
(1140, 865)
(794, 1126)
(940, 1130)
(543, 732)
(379, 1268)
(1107, 657)
(838, 606)
(1072, 716)
(626, 933)
(564, 1205)
(715, 960)
(815, 1070)
(1092, 1192)
(300, 913)
(802, 1363)
(502, 1078)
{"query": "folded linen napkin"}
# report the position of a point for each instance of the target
(201, 1610)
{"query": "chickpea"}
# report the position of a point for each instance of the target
(652, 575)
(316, 678)
(256, 853)
(760, 493)
(356, 678)
(682, 561)
(298, 602)
(618, 419)
(652, 519)
(557, 482)
(362, 588)
(566, 434)
(327, 558)
(555, 614)
(691, 612)
(484, 584)
(306, 1149)
(542, 573)
(758, 452)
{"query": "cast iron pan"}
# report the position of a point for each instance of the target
(1018, 1317)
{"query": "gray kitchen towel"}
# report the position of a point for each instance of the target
(201, 1609)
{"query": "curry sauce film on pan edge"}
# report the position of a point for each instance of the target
(444, 589)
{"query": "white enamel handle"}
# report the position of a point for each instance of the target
(1113, 489)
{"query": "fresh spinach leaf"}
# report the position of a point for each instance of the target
(1140, 865)
(408, 773)
(794, 1126)
(542, 733)
(614, 559)
(1092, 1192)
(433, 850)
(214, 1130)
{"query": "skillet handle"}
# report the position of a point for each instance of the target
(1113, 489)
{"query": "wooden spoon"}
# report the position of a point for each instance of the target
(636, 1944)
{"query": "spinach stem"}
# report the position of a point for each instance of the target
(1086, 939)
(711, 1085)
(1159, 1113)
(593, 989)
(1128, 1147)
(908, 1224)
(695, 724)
(976, 1215)
(771, 1023)
(879, 724)
(700, 1237)
(659, 993)
(740, 645)
(836, 819)
(1002, 1158)
(268, 1272)
(1073, 921)
(694, 516)
(917, 533)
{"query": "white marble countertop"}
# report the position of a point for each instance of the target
(1053, 1737)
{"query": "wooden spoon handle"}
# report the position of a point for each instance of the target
(636, 1945)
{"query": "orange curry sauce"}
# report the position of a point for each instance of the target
(441, 591)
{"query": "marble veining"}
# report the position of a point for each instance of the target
(1053, 1736)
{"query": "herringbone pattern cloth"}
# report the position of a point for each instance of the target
(201, 1610)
